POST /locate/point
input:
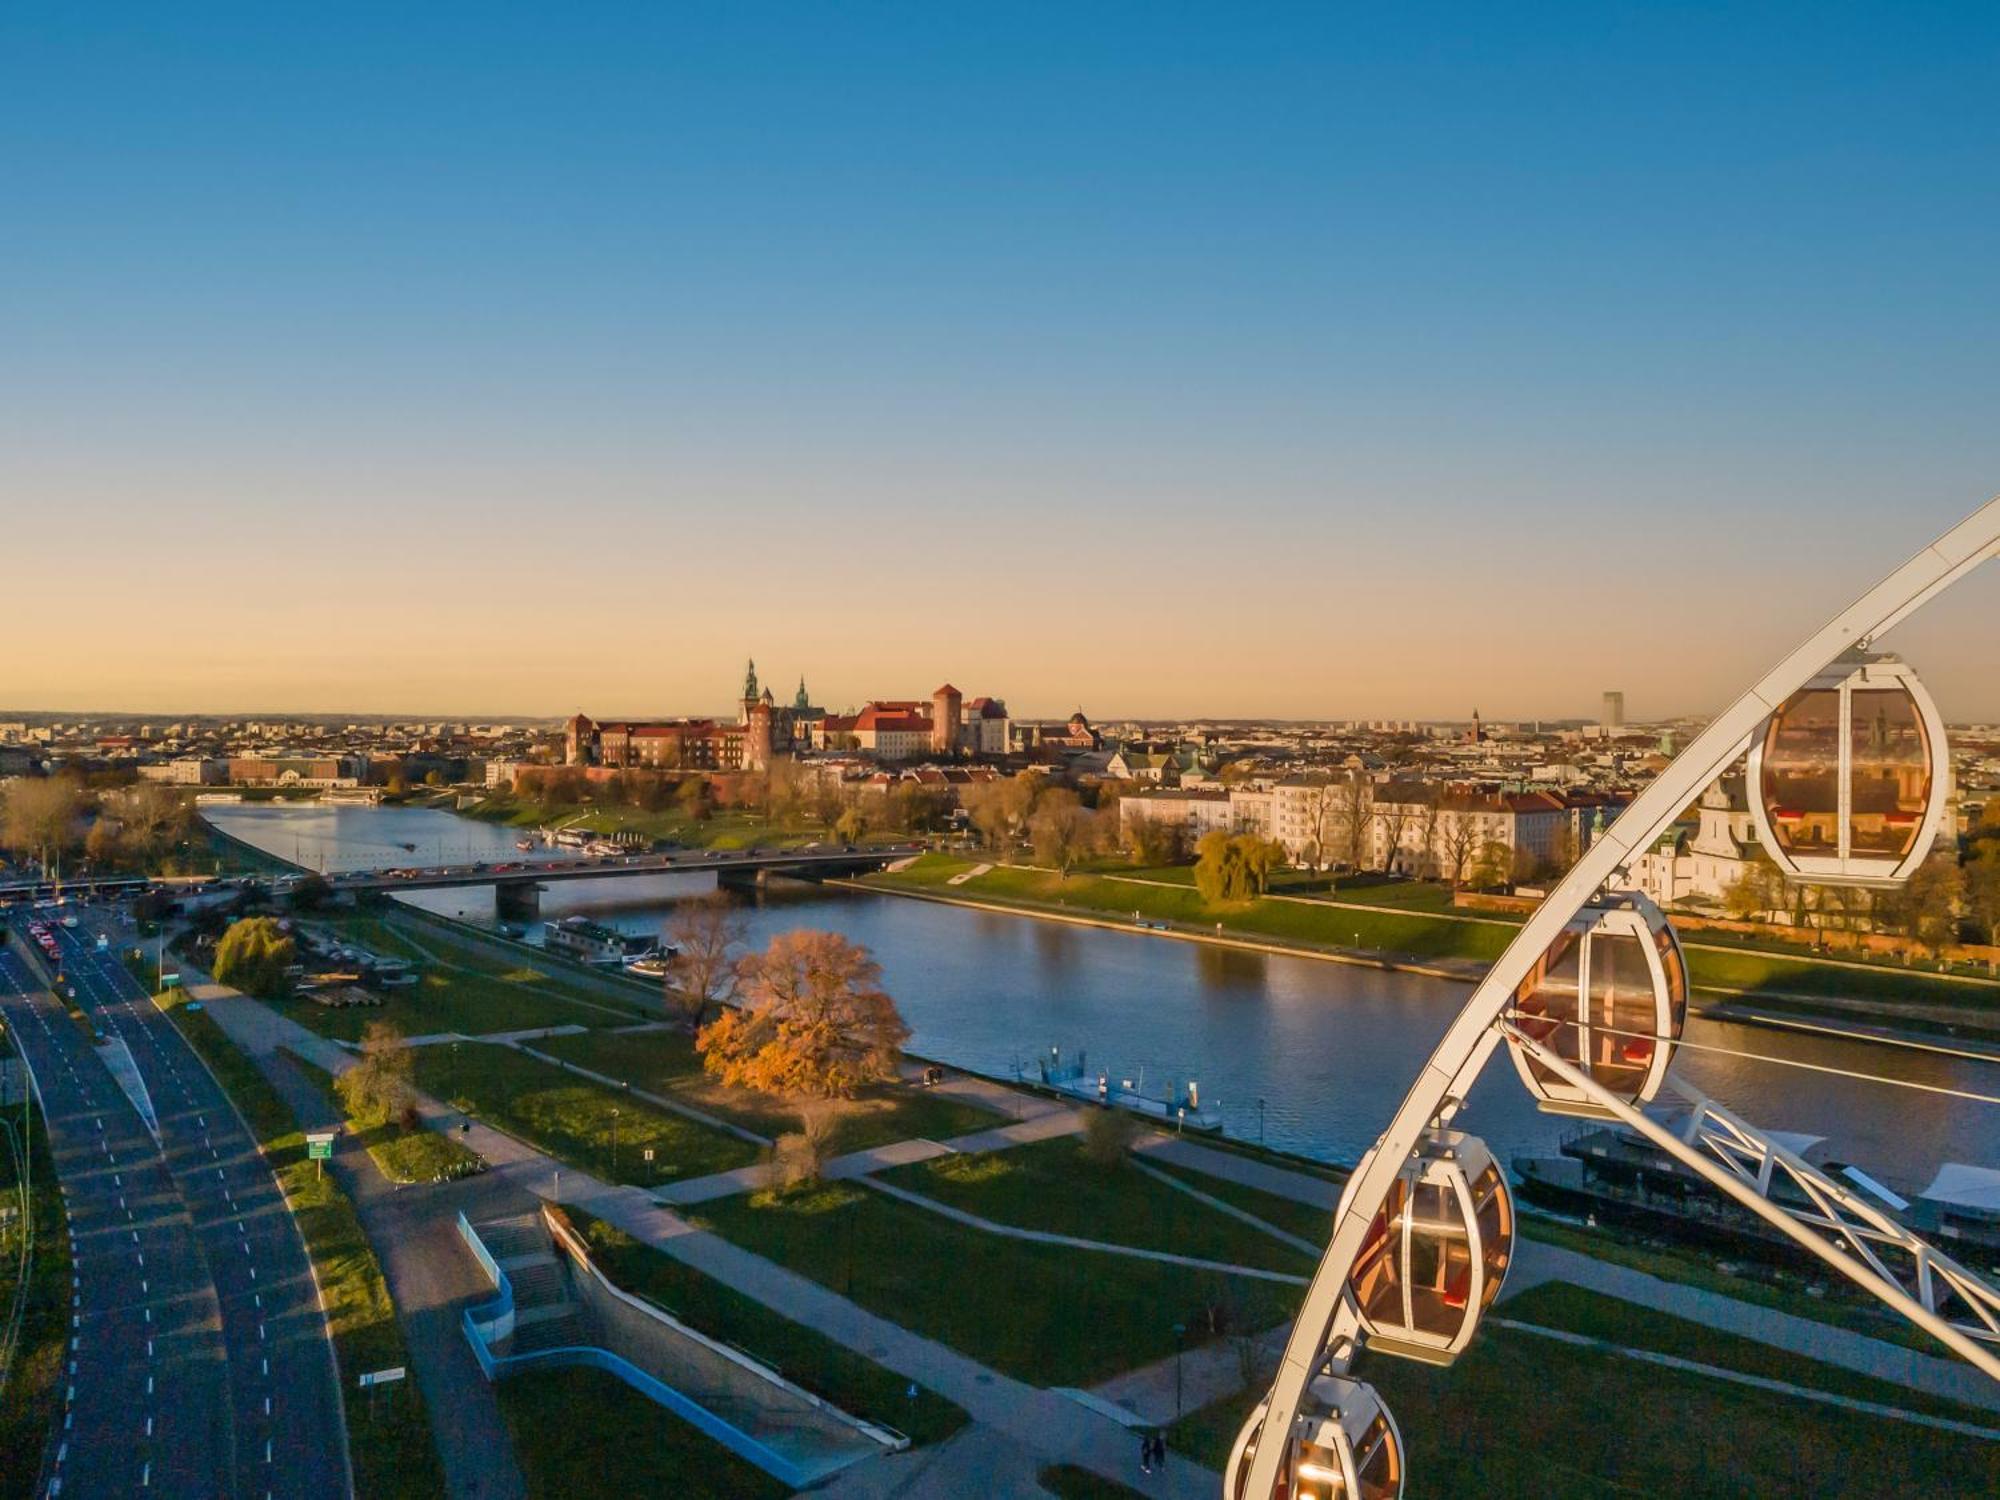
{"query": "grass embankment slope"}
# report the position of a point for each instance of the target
(388, 1440)
(1048, 1314)
(462, 987)
(625, 1446)
(851, 1381)
(1523, 1415)
(34, 1387)
(1421, 928)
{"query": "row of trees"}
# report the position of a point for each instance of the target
(1945, 899)
(53, 818)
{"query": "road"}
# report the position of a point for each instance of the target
(146, 1391)
(286, 1434)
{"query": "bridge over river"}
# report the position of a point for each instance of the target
(517, 884)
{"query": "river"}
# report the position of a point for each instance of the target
(1312, 1056)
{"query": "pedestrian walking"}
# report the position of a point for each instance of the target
(1160, 1449)
(1145, 1453)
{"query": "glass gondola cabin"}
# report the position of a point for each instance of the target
(1850, 777)
(1437, 1251)
(1349, 1447)
(1609, 998)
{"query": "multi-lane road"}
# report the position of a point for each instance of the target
(199, 1363)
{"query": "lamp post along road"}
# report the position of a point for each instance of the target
(1327, 1333)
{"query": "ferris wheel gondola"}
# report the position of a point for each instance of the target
(1349, 1447)
(1849, 778)
(1610, 997)
(1437, 1251)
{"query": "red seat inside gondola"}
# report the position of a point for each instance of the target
(1458, 1291)
(1639, 1050)
(1787, 814)
(1900, 819)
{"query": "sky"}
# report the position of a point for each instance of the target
(1290, 361)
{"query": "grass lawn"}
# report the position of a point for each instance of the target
(627, 1445)
(390, 1441)
(1071, 1483)
(418, 1155)
(572, 1118)
(807, 1358)
(1302, 1219)
(665, 1062)
(1042, 1313)
(1576, 1310)
(1522, 1415)
(34, 1389)
(1052, 1186)
(1844, 1305)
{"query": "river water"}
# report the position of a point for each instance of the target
(1314, 1056)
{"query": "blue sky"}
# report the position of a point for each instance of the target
(1290, 360)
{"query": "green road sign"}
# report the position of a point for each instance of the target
(319, 1145)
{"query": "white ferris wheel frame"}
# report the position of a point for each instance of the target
(1327, 1328)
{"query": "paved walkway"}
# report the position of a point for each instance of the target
(1046, 1125)
(1072, 1242)
(505, 1038)
(1242, 1215)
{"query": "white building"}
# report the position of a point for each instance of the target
(1700, 867)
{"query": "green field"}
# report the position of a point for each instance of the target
(403, 1156)
(388, 1441)
(625, 1446)
(1042, 1313)
(574, 1120)
(1426, 931)
(665, 1063)
(1302, 1219)
(1522, 1415)
(807, 1358)
(1052, 1186)
(34, 1388)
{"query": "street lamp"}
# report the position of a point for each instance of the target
(1180, 1344)
(614, 1145)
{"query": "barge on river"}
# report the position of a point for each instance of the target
(1616, 1174)
(596, 943)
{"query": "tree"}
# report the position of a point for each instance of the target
(813, 1023)
(1931, 901)
(102, 845)
(1982, 888)
(1234, 868)
(1457, 840)
(1155, 841)
(705, 933)
(1062, 829)
(851, 825)
(1000, 809)
(1108, 1135)
(382, 1084)
(692, 799)
(253, 956)
(42, 816)
(311, 893)
(1493, 864)
(152, 820)
(1759, 889)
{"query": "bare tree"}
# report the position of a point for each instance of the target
(705, 933)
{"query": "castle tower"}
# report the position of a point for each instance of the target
(576, 740)
(946, 705)
(757, 735)
(749, 699)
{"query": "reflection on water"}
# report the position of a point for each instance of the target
(1327, 1050)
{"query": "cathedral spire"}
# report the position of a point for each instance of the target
(802, 702)
(750, 681)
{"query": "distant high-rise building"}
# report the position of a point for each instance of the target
(1613, 716)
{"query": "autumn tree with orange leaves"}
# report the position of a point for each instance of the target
(812, 1020)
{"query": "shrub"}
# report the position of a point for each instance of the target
(1107, 1138)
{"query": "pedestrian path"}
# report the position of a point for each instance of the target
(1046, 1125)
(1072, 1242)
(1242, 1215)
(505, 1038)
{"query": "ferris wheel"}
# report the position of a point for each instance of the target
(1849, 777)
